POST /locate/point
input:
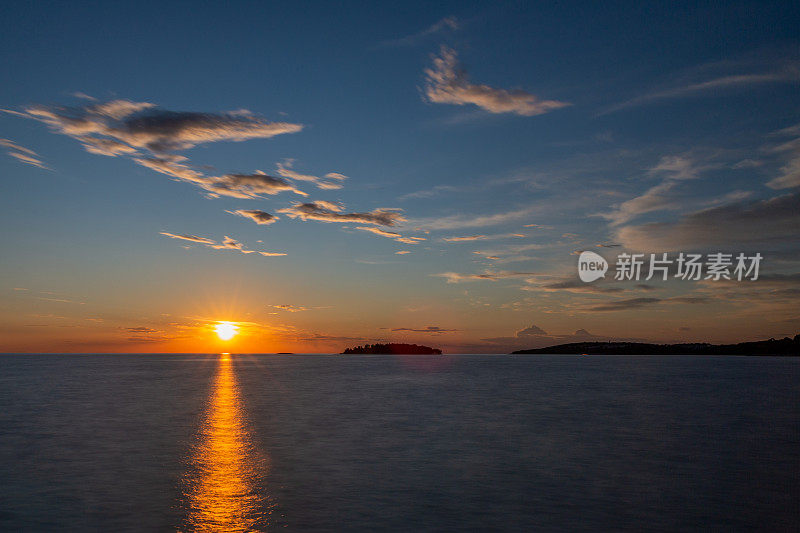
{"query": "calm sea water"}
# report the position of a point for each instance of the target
(416, 443)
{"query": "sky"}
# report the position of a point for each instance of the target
(325, 175)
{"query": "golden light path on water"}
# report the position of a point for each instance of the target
(223, 489)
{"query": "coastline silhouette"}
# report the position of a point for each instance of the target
(393, 349)
(784, 347)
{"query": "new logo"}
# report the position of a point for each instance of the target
(591, 266)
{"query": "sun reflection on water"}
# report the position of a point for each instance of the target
(224, 490)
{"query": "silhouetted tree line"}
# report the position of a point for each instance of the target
(393, 348)
(785, 346)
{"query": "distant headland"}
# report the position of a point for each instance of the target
(785, 346)
(393, 348)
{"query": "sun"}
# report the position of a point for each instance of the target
(226, 330)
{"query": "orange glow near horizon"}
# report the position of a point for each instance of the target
(224, 494)
(226, 330)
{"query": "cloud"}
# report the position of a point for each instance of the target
(391, 235)
(445, 24)
(622, 305)
(14, 146)
(472, 220)
(108, 147)
(172, 166)
(436, 330)
(141, 329)
(790, 176)
(118, 109)
(232, 185)
(142, 125)
(788, 74)
(456, 277)
(378, 231)
(428, 193)
(290, 308)
(22, 154)
(447, 83)
(248, 185)
(230, 244)
(532, 330)
(402, 252)
(536, 337)
(470, 238)
(674, 170)
(84, 96)
(318, 337)
(29, 160)
(465, 239)
(571, 284)
(323, 211)
(333, 182)
(192, 238)
(150, 136)
(227, 243)
(758, 223)
(772, 289)
(259, 217)
(637, 303)
(790, 172)
(513, 252)
(733, 196)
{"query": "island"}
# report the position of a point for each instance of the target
(393, 348)
(784, 347)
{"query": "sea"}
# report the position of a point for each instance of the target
(238, 442)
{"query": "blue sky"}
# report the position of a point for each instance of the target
(528, 132)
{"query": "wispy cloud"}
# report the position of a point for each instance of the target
(429, 193)
(457, 277)
(790, 172)
(143, 126)
(787, 73)
(637, 303)
(447, 83)
(470, 238)
(436, 330)
(191, 238)
(150, 136)
(323, 211)
(673, 170)
(760, 223)
(140, 329)
(535, 337)
(227, 243)
(333, 179)
(466, 238)
(391, 234)
(570, 284)
(513, 252)
(259, 217)
(232, 185)
(247, 185)
(290, 308)
(463, 221)
(446, 24)
(22, 154)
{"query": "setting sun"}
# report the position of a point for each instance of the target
(226, 330)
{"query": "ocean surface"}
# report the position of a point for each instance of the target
(399, 443)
